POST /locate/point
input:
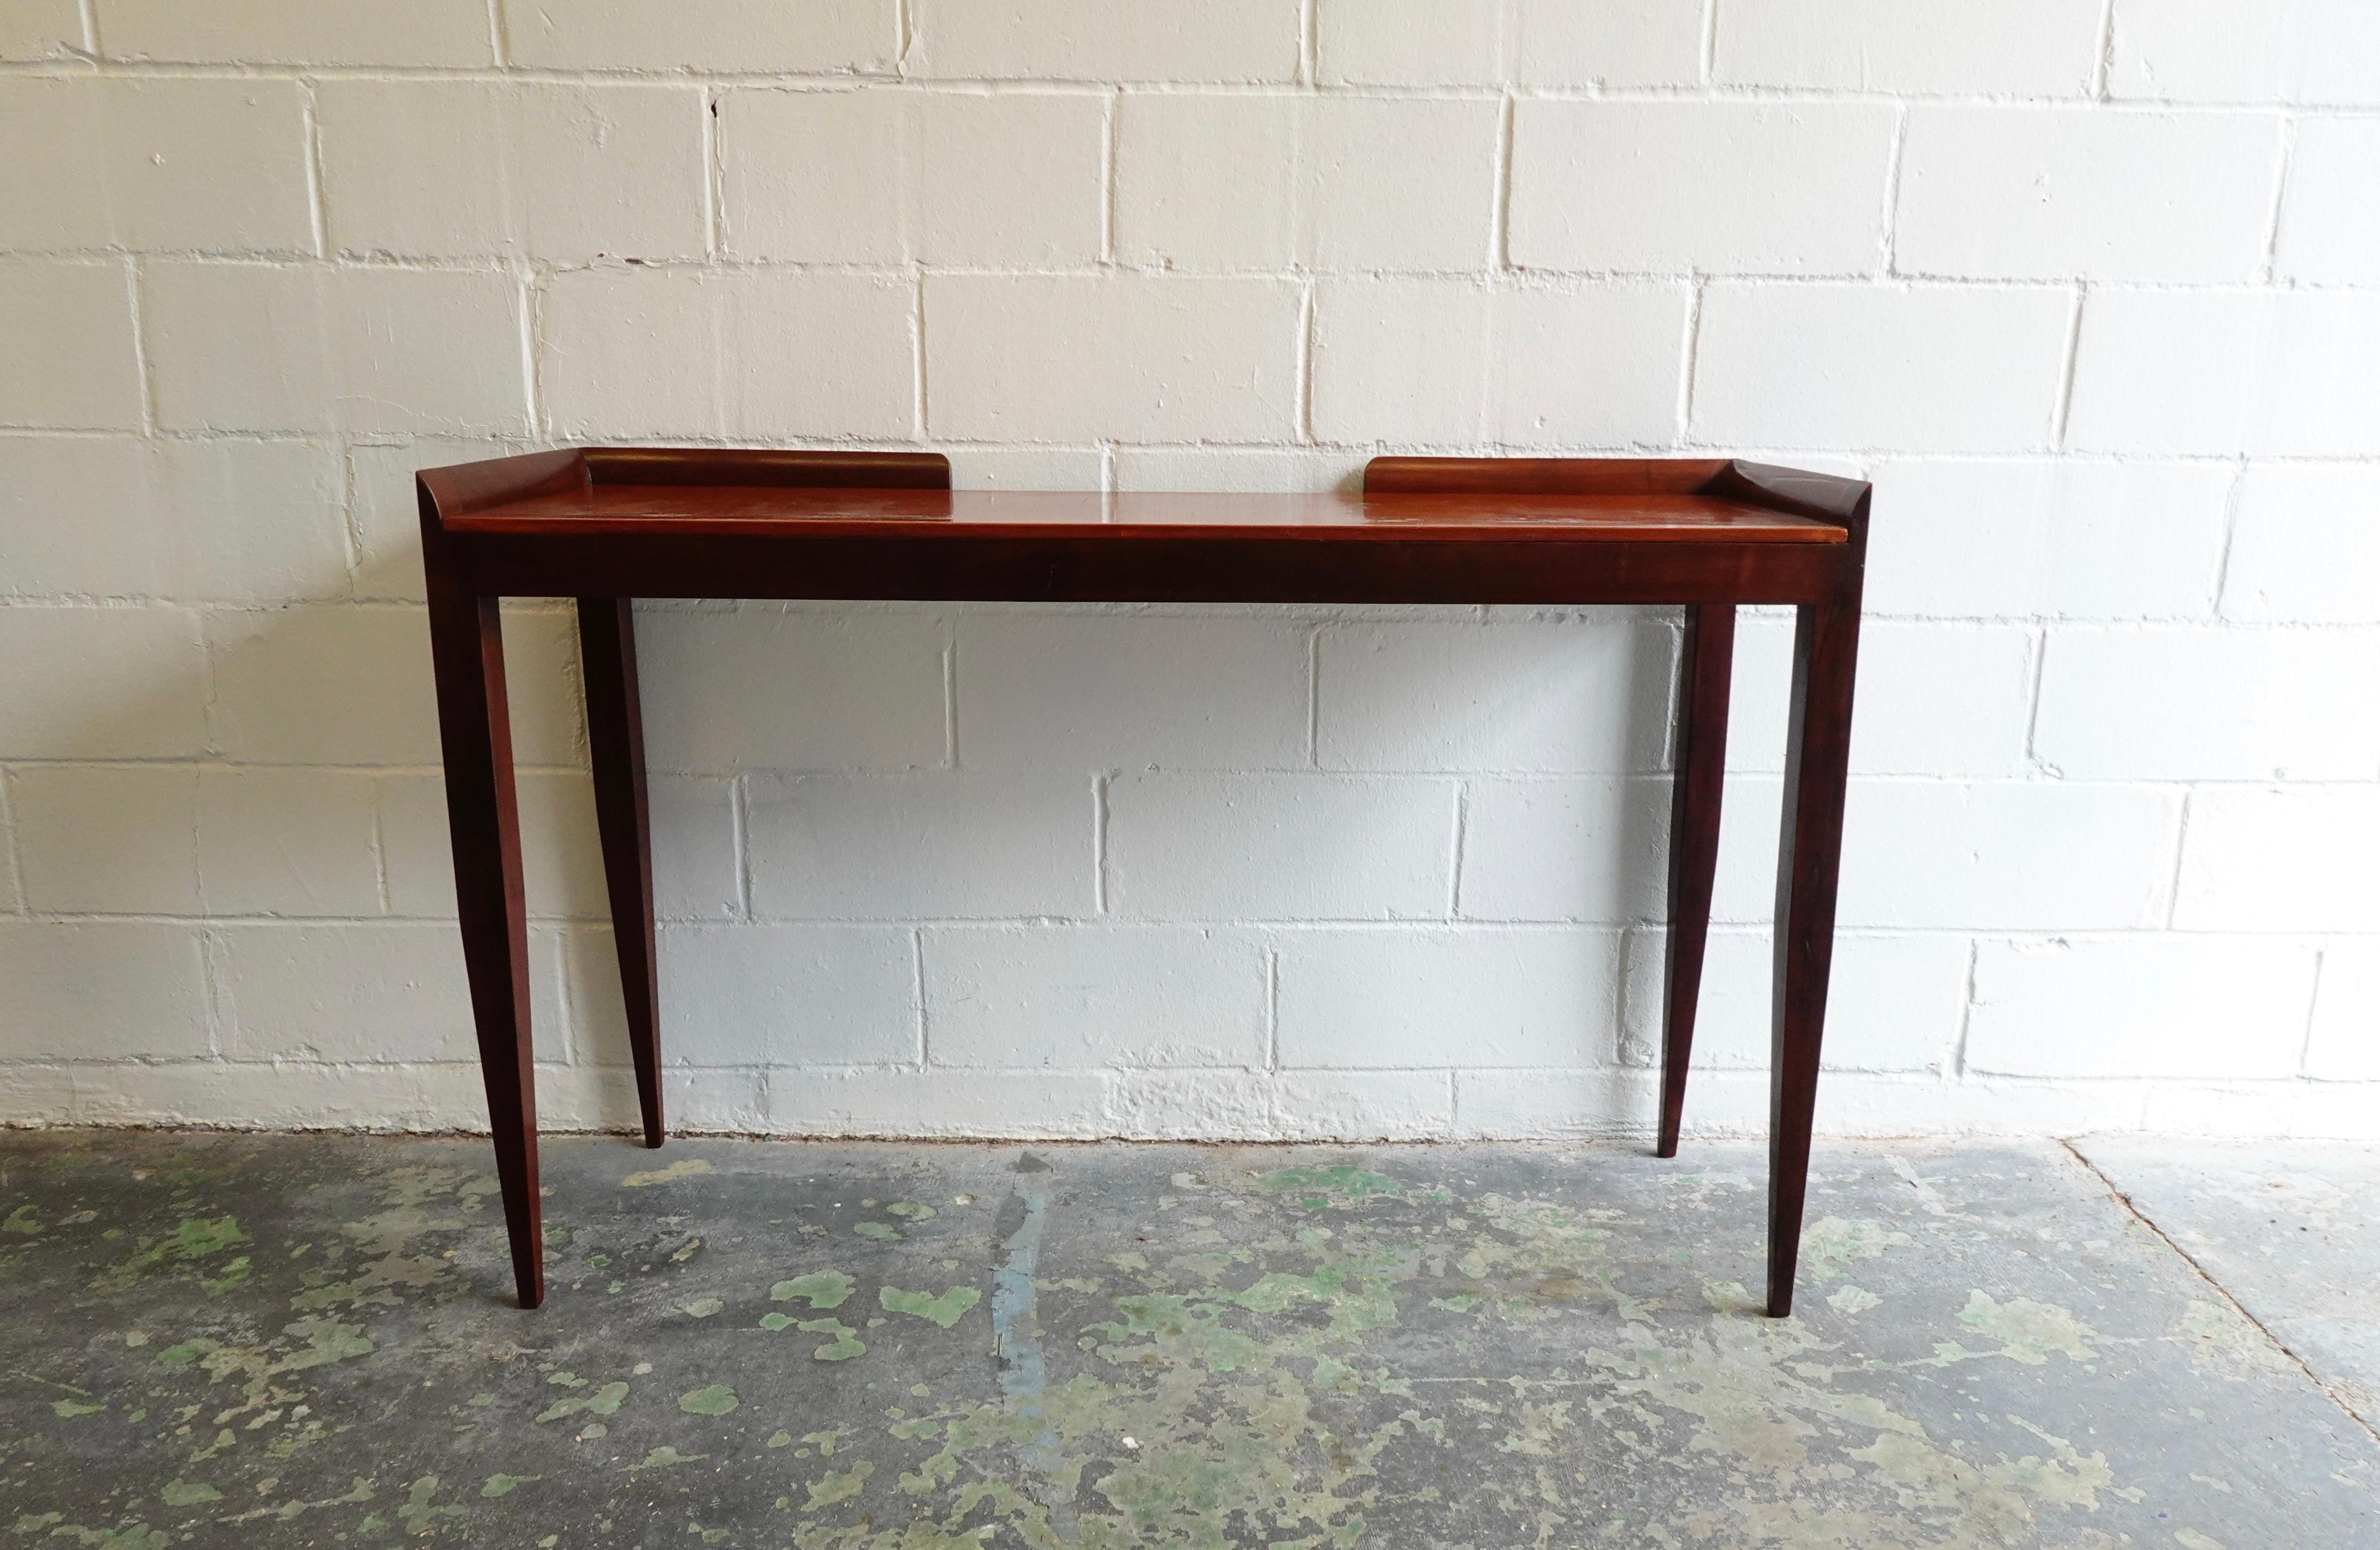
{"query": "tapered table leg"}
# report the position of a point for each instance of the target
(468, 652)
(1704, 671)
(1809, 860)
(616, 742)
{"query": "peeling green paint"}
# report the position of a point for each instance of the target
(605, 1400)
(846, 1345)
(662, 1458)
(1345, 1353)
(823, 1290)
(714, 1399)
(685, 1168)
(838, 1486)
(945, 1310)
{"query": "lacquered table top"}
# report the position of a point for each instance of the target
(748, 510)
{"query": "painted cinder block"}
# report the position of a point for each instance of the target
(2329, 231)
(384, 510)
(2140, 1006)
(888, 176)
(105, 989)
(1586, 694)
(107, 839)
(154, 165)
(1139, 358)
(2043, 539)
(1402, 362)
(1095, 996)
(2344, 1042)
(2029, 48)
(42, 29)
(121, 517)
(1923, 368)
(1894, 1003)
(375, 992)
(2277, 373)
(2209, 704)
(1474, 996)
(323, 685)
(440, 33)
(2262, 50)
(1217, 181)
(1051, 871)
(1934, 698)
(1089, 41)
(101, 683)
(288, 843)
(789, 995)
(944, 845)
(466, 168)
(1361, 1104)
(1531, 42)
(1240, 846)
(1678, 186)
(772, 687)
(2275, 858)
(295, 348)
(627, 352)
(734, 35)
(1089, 691)
(1589, 849)
(2054, 193)
(72, 364)
(2305, 546)
(868, 1101)
(1986, 855)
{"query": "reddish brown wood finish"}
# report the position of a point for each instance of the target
(1705, 667)
(616, 750)
(607, 524)
(467, 649)
(1809, 862)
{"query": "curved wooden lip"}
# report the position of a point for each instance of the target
(701, 492)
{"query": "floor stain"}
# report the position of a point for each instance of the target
(306, 1341)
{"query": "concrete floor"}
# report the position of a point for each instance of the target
(306, 1340)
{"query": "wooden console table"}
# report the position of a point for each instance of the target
(605, 524)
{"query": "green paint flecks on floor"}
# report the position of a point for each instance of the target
(944, 1310)
(846, 1345)
(685, 1168)
(822, 1290)
(1184, 1346)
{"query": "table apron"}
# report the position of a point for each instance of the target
(1100, 568)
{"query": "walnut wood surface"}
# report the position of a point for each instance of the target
(606, 524)
(1024, 516)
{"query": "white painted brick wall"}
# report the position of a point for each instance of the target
(1989, 193)
(2089, 291)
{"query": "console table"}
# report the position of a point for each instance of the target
(605, 524)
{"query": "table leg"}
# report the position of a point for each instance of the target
(468, 653)
(615, 744)
(1809, 858)
(1704, 669)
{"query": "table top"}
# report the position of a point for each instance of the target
(753, 510)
